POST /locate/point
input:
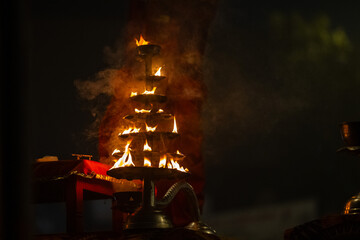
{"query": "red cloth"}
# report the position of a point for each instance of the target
(64, 168)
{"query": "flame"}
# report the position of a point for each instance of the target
(160, 111)
(147, 162)
(176, 165)
(146, 146)
(115, 151)
(149, 92)
(130, 130)
(162, 163)
(141, 41)
(126, 159)
(146, 92)
(178, 152)
(175, 127)
(150, 129)
(158, 73)
(142, 110)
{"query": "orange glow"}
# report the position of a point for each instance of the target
(146, 92)
(175, 127)
(176, 165)
(150, 129)
(141, 41)
(142, 110)
(130, 130)
(147, 162)
(160, 111)
(162, 163)
(115, 151)
(178, 152)
(158, 72)
(149, 92)
(146, 146)
(126, 159)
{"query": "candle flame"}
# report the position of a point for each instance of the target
(115, 151)
(130, 130)
(126, 159)
(158, 72)
(141, 41)
(146, 146)
(149, 92)
(162, 163)
(176, 165)
(147, 162)
(150, 129)
(142, 110)
(175, 127)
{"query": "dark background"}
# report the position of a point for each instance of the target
(280, 79)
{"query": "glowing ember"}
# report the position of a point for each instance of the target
(160, 111)
(150, 129)
(147, 147)
(175, 127)
(142, 110)
(141, 41)
(147, 162)
(130, 130)
(126, 159)
(178, 152)
(162, 163)
(115, 151)
(133, 94)
(158, 73)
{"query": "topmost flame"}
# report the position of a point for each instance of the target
(141, 41)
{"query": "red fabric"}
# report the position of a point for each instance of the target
(62, 168)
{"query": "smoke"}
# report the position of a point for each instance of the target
(101, 84)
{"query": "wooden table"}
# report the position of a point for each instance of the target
(72, 182)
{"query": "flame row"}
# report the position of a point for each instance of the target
(146, 92)
(148, 129)
(126, 159)
(147, 110)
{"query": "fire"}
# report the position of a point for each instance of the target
(141, 41)
(160, 111)
(150, 92)
(178, 152)
(158, 73)
(162, 163)
(146, 92)
(142, 110)
(175, 127)
(146, 146)
(126, 159)
(130, 130)
(176, 165)
(150, 129)
(147, 162)
(115, 151)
